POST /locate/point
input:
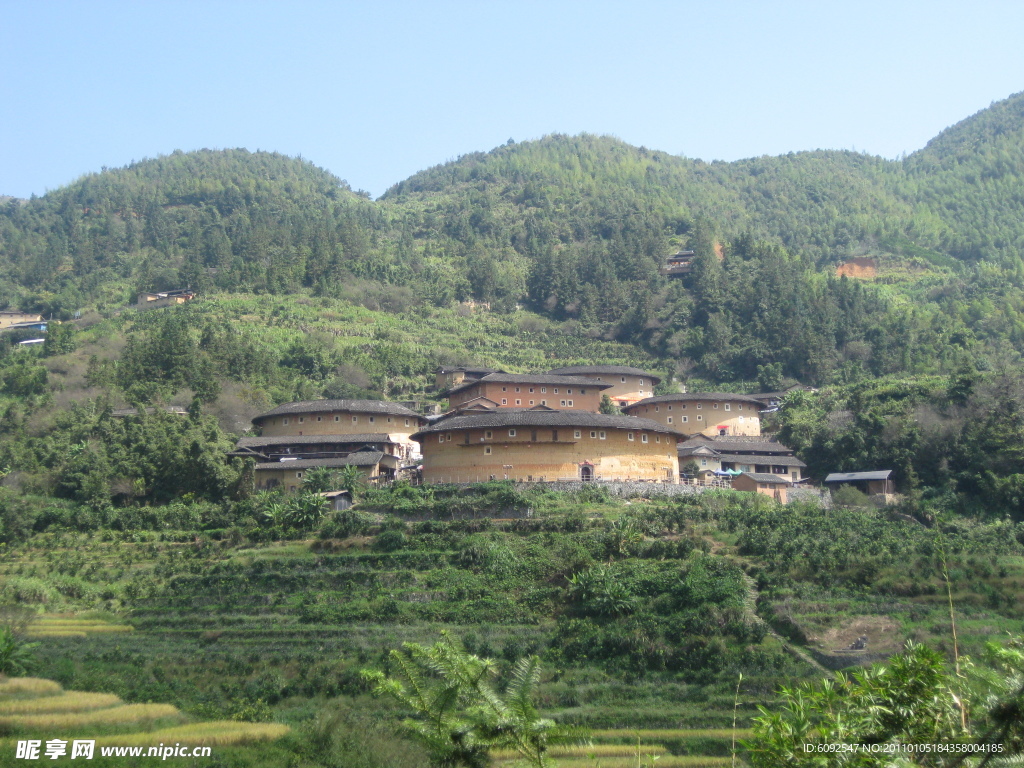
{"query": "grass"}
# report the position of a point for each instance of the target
(64, 625)
(72, 701)
(219, 733)
(28, 686)
(670, 733)
(663, 761)
(599, 750)
(128, 714)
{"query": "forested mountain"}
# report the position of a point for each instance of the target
(575, 228)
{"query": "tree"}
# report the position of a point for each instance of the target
(911, 700)
(16, 655)
(607, 406)
(460, 716)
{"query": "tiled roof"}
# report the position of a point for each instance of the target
(762, 478)
(514, 417)
(369, 437)
(541, 379)
(615, 370)
(739, 444)
(365, 459)
(348, 406)
(776, 461)
(850, 477)
(684, 397)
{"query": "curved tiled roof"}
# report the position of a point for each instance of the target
(365, 459)
(531, 378)
(590, 370)
(684, 397)
(349, 406)
(511, 417)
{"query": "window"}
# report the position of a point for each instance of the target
(657, 438)
(372, 419)
(669, 419)
(741, 419)
(555, 390)
(338, 418)
(440, 438)
(543, 390)
(570, 403)
(319, 419)
(504, 389)
(703, 462)
(670, 407)
(593, 433)
(568, 391)
(629, 435)
(511, 433)
(543, 402)
(563, 403)
(389, 419)
(641, 382)
(622, 379)
(715, 406)
(739, 407)
(657, 409)
(517, 389)
(643, 438)
(682, 407)
(699, 417)
(577, 434)
(533, 436)
(531, 402)
(487, 450)
(519, 402)
(685, 419)
(449, 437)
(583, 391)
(298, 474)
(504, 401)
(355, 419)
(407, 422)
(488, 434)
(302, 419)
(285, 422)
(602, 435)
(699, 406)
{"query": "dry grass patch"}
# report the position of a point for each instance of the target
(129, 714)
(72, 701)
(671, 733)
(217, 733)
(595, 750)
(28, 686)
(664, 761)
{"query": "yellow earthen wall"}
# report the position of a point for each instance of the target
(521, 458)
(712, 416)
(291, 478)
(398, 428)
(633, 389)
(548, 394)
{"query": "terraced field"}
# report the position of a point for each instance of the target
(33, 708)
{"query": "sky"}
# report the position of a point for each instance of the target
(376, 91)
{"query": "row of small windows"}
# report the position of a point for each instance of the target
(355, 420)
(682, 407)
(577, 434)
(544, 390)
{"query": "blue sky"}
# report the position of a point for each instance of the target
(377, 91)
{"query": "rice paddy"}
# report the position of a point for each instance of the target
(40, 708)
(74, 701)
(69, 625)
